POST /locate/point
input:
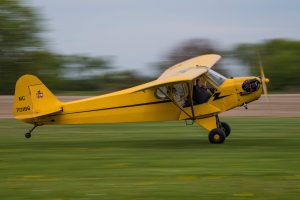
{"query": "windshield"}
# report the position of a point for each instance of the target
(215, 77)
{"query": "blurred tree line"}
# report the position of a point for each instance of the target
(280, 60)
(22, 50)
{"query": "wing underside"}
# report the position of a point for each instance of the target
(183, 72)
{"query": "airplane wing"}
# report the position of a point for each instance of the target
(182, 72)
(191, 68)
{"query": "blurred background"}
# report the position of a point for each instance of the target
(90, 47)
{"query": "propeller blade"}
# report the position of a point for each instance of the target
(264, 81)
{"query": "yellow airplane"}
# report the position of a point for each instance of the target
(190, 90)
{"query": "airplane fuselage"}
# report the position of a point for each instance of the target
(143, 106)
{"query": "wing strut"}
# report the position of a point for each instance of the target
(181, 108)
(191, 100)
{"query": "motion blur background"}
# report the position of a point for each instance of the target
(86, 47)
(90, 47)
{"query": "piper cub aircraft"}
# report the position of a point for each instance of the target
(190, 90)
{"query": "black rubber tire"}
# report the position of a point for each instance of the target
(216, 136)
(226, 128)
(28, 135)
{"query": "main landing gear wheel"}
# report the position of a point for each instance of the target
(226, 128)
(216, 136)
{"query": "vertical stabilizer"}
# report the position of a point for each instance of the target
(33, 99)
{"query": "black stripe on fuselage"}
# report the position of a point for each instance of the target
(126, 106)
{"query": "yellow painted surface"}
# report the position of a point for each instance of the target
(192, 68)
(200, 111)
(208, 123)
(33, 99)
(183, 72)
(34, 103)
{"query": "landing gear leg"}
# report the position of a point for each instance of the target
(28, 134)
(218, 130)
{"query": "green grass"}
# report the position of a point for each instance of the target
(260, 160)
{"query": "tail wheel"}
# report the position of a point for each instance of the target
(216, 136)
(226, 128)
(28, 135)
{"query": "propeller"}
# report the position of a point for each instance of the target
(264, 80)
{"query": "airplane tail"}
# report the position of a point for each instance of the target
(33, 99)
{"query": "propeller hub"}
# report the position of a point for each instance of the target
(267, 80)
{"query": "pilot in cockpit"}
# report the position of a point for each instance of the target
(200, 93)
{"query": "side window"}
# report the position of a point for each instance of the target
(177, 92)
(180, 91)
(210, 86)
(160, 92)
(207, 83)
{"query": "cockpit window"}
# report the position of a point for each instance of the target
(161, 91)
(215, 77)
(177, 92)
(180, 92)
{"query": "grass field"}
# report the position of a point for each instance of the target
(260, 160)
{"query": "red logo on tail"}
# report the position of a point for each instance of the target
(39, 94)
